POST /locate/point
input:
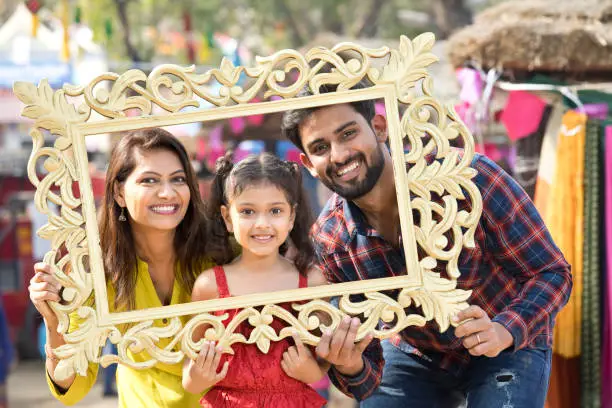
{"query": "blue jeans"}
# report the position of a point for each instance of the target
(510, 380)
(110, 372)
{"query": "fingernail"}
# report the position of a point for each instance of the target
(455, 318)
(355, 321)
(347, 319)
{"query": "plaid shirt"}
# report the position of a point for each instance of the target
(516, 273)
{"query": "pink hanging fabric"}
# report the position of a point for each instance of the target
(522, 114)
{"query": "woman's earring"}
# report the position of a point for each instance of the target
(122, 215)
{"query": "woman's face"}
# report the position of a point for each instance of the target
(155, 195)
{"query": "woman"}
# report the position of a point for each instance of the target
(153, 235)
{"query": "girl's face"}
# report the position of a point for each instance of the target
(155, 195)
(260, 217)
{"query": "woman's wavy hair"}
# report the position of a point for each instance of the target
(116, 238)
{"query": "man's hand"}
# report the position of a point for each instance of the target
(481, 336)
(339, 348)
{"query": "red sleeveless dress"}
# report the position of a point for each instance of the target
(255, 379)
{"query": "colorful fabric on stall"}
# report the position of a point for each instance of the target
(564, 389)
(522, 114)
(564, 218)
(606, 364)
(548, 159)
(591, 318)
(596, 110)
(472, 86)
(528, 155)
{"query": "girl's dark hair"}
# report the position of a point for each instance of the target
(116, 239)
(230, 180)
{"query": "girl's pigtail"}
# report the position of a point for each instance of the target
(300, 234)
(219, 238)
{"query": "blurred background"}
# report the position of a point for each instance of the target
(531, 79)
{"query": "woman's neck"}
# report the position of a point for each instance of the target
(155, 247)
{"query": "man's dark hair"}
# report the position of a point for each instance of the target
(292, 119)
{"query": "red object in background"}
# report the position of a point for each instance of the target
(97, 186)
(9, 185)
(191, 53)
(33, 5)
(16, 252)
(293, 155)
(16, 255)
(522, 114)
(16, 258)
(493, 152)
(205, 186)
(255, 120)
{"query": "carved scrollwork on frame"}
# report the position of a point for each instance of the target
(436, 186)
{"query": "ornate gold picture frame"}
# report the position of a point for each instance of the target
(432, 244)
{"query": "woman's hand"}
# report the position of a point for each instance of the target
(44, 287)
(298, 362)
(201, 373)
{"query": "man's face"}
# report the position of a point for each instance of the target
(343, 150)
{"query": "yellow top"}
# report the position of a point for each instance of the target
(159, 386)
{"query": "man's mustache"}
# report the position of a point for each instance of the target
(332, 169)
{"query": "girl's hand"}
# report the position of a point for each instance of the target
(202, 372)
(44, 287)
(298, 362)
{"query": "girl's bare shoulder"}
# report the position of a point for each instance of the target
(205, 286)
(316, 277)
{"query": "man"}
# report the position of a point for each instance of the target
(500, 353)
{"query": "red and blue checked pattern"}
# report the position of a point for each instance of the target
(516, 273)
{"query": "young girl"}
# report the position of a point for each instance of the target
(260, 201)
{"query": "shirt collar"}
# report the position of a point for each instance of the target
(356, 222)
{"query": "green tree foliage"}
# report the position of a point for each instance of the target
(133, 29)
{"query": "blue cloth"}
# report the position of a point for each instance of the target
(42, 339)
(110, 372)
(7, 352)
(516, 379)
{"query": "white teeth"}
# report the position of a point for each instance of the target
(348, 168)
(263, 237)
(164, 208)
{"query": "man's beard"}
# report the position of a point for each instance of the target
(359, 188)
